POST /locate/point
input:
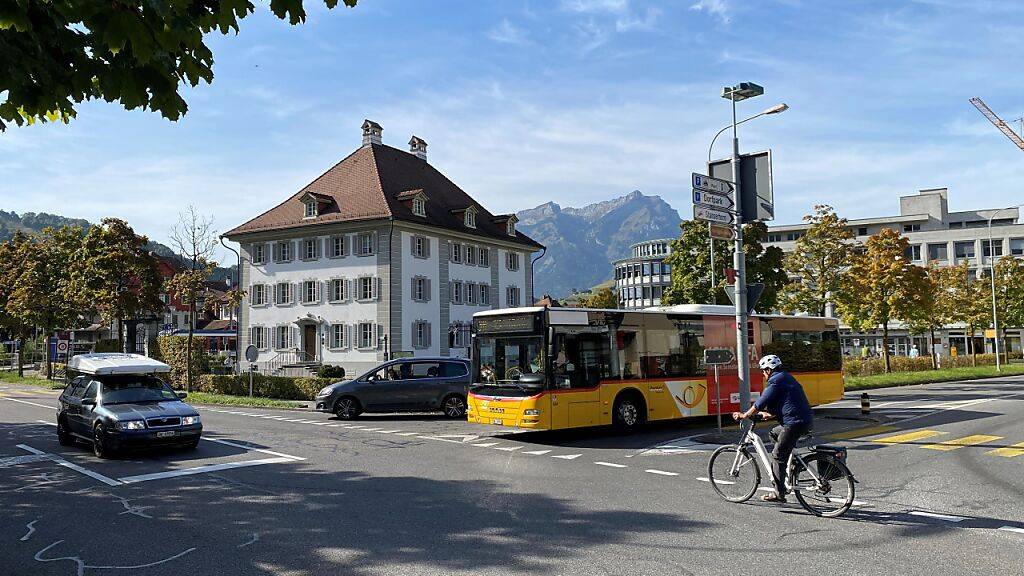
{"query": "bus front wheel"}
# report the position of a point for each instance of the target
(628, 413)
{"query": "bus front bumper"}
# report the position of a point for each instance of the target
(529, 413)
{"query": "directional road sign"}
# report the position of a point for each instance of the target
(719, 356)
(712, 215)
(756, 199)
(712, 200)
(722, 232)
(715, 185)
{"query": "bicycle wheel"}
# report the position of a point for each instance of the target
(829, 491)
(733, 473)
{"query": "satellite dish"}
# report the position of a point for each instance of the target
(251, 353)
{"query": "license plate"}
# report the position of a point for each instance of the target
(495, 420)
(165, 434)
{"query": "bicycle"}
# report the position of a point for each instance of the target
(819, 477)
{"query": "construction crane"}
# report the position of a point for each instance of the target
(997, 121)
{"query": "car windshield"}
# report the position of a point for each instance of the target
(135, 388)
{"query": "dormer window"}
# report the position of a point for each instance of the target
(313, 203)
(510, 227)
(419, 206)
(469, 217)
(311, 211)
(415, 201)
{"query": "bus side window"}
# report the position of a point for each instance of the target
(627, 347)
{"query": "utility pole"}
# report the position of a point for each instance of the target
(739, 263)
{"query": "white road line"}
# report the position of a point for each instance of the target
(1012, 529)
(611, 464)
(202, 470)
(537, 452)
(704, 479)
(770, 489)
(407, 433)
(253, 448)
(27, 402)
(509, 448)
(75, 467)
(319, 423)
(484, 445)
(568, 456)
(662, 472)
(370, 429)
(335, 426)
(936, 515)
(388, 431)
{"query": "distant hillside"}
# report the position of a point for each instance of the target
(31, 222)
(583, 242)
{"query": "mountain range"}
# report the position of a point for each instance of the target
(583, 242)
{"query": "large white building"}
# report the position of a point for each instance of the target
(937, 236)
(381, 256)
(641, 279)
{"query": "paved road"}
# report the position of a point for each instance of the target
(297, 493)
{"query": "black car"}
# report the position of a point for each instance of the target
(405, 385)
(120, 411)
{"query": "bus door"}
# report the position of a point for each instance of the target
(580, 359)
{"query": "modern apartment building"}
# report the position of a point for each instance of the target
(939, 236)
(641, 279)
(379, 257)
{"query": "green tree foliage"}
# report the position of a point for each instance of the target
(183, 357)
(14, 254)
(601, 297)
(58, 53)
(964, 299)
(691, 266)
(119, 277)
(196, 241)
(926, 312)
(817, 262)
(876, 289)
(1009, 275)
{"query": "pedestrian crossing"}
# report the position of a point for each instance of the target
(936, 440)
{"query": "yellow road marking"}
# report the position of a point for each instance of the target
(1008, 451)
(908, 437)
(961, 442)
(861, 432)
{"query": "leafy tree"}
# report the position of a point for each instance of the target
(59, 53)
(120, 278)
(817, 262)
(601, 297)
(920, 310)
(691, 265)
(876, 289)
(14, 254)
(196, 241)
(1009, 275)
(963, 299)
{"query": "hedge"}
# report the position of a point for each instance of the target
(172, 351)
(807, 357)
(279, 387)
(870, 366)
(108, 345)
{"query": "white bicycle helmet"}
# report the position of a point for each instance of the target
(769, 362)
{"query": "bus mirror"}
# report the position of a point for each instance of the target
(551, 342)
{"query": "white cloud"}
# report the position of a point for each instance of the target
(633, 22)
(507, 33)
(719, 8)
(595, 6)
(590, 36)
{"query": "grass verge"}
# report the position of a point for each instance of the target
(929, 376)
(13, 378)
(228, 400)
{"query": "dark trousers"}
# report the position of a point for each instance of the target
(785, 438)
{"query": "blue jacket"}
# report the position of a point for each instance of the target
(784, 398)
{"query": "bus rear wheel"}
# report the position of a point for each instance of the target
(628, 413)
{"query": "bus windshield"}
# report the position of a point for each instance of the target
(504, 359)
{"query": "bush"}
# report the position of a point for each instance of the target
(172, 351)
(108, 345)
(871, 366)
(807, 357)
(279, 387)
(328, 371)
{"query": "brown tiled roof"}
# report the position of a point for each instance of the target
(370, 184)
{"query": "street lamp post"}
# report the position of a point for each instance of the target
(777, 109)
(992, 279)
(741, 91)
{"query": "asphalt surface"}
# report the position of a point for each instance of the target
(301, 493)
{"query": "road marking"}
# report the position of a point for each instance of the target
(389, 431)
(407, 434)
(568, 456)
(485, 445)
(937, 516)
(611, 464)
(370, 429)
(27, 402)
(62, 462)
(908, 437)
(861, 432)
(1008, 451)
(202, 470)
(705, 479)
(537, 452)
(253, 448)
(961, 442)
(770, 489)
(662, 472)
(508, 448)
(1012, 529)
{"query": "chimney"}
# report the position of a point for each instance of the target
(371, 132)
(418, 146)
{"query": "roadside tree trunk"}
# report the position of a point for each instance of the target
(885, 347)
(931, 348)
(21, 357)
(188, 346)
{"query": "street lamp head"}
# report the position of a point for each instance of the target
(777, 109)
(742, 91)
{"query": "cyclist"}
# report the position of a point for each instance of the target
(784, 398)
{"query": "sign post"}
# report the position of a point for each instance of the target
(252, 354)
(716, 357)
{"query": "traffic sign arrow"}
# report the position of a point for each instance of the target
(722, 232)
(708, 184)
(705, 198)
(712, 215)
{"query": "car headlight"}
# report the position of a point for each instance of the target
(189, 420)
(323, 392)
(531, 412)
(131, 425)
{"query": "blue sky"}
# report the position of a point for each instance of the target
(573, 101)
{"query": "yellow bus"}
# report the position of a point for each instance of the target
(543, 368)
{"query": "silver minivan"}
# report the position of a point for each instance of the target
(418, 384)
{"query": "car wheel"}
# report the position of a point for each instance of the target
(347, 408)
(100, 447)
(454, 406)
(628, 414)
(192, 445)
(64, 435)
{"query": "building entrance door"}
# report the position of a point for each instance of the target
(309, 342)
